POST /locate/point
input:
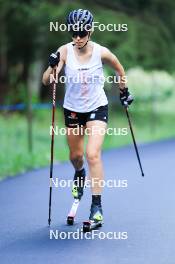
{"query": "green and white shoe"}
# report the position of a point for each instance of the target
(78, 184)
(96, 214)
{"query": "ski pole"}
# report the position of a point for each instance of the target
(52, 143)
(132, 133)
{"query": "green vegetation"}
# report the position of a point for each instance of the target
(14, 155)
(26, 39)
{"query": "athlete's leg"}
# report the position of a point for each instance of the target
(76, 150)
(93, 153)
(76, 147)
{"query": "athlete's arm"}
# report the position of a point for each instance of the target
(109, 58)
(46, 75)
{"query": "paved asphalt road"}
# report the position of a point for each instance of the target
(143, 212)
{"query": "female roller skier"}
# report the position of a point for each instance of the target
(85, 103)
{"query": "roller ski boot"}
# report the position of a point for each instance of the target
(95, 219)
(77, 192)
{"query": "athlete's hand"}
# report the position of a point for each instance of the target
(54, 59)
(125, 97)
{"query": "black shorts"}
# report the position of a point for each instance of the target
(74, 119)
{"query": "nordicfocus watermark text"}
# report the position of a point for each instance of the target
(88, 131)
(55, 26)
(94, 182)
(94, 234)
(88, 79)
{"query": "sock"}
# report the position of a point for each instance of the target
(79, 177)
(96, 199)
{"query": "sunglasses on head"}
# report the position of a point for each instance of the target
(80, 34)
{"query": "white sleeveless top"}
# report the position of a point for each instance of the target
(84, 82)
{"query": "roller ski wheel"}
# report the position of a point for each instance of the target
(88, 226)
(70, 220)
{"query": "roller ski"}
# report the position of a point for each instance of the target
(95, 219)
(73, 211)
(77, 192)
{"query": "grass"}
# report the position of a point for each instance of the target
(15, 157)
